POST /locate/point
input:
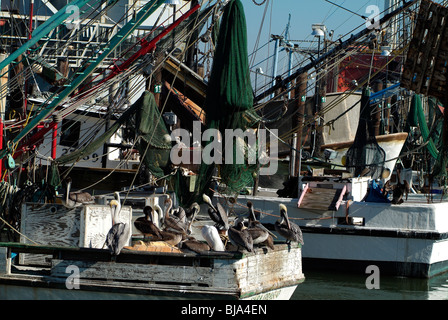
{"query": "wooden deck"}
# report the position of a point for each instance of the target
(223, 275)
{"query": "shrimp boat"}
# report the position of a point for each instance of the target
(58, 249)
(348, 224)
(154, 270)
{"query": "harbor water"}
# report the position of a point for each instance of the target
(317, 286)
(346, 286)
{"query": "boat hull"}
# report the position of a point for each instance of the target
(408, 240)
(83, 272)
(390, 143)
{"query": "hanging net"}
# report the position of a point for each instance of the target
(229, 100)
(365, 156)
(154, 145)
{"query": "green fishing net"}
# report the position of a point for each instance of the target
(229, 100)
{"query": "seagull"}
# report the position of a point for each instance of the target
(289, 230)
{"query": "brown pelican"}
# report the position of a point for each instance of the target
(120, 233)
(260, 234)
(77, 198)
(192, 210)
(194, 245)
(146, 226)
(289, 230)
(172, 238)
(211, 235)
(217, 214)
(173, 223)
(240, 236)
(186, 242)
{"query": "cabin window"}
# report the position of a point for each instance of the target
(70, 132)
(351, 221)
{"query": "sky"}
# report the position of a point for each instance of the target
(303, 13)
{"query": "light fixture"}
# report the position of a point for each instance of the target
(318, 29)
(385, 51)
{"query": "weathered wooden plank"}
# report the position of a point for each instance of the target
(186, 275)
(425, 69)
(5, 261)
(49, 224)
(321, 198)
(56, 225)
(96, 221)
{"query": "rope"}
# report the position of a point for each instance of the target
(17, 231)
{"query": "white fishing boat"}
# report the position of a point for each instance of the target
(343, 232)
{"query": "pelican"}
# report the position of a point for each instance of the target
(120, 233)
(179, 213)
(289, 230)
(211, 235)
(217, 214)
(146, 226)
(172, 238)
(77, 198)
(260, 234)
(192, 210)
(194, 245)
(173, 223)
(240, 236)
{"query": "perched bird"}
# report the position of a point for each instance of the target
(211, 235)
(259, 233)
(240, 236)
(173, 238)
(400, 189)
(289, 230)
(146, 225)
(179, 213)
(173, 223)
(217, 214)
(77, 198)
(120, 233)
(194, 245)
(192, 210)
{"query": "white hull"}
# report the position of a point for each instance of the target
(410, 239)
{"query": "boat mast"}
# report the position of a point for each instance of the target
(333, 51)
(119, 37)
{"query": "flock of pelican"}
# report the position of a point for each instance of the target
(176, 228)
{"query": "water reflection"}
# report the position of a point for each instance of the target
(342, 286)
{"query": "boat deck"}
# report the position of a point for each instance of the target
(224, 275)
